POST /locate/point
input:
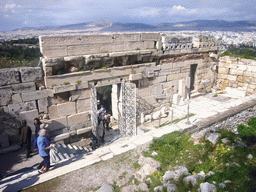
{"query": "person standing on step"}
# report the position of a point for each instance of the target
(103, 112)
(25, 137)
(44, 150)
(37, 124)
(45, 127)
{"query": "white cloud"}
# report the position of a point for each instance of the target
(146, 12)
(178, 8)
(9, 6)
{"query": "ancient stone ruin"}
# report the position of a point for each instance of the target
(163, 68)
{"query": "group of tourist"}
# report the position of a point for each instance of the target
(103, 124)
(41, 142)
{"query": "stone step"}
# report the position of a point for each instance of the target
(61, 156)
(75, 147)
(195, 95)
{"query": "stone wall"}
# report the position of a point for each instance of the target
(15, 86)
(74, 45)
(237, 76)
(63, 100)
(23, 96)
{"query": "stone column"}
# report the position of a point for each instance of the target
(114, 99)
(182, 89)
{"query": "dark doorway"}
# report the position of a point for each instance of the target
(104, 97)
(192, 76)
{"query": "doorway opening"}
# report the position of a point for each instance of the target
(192, 76)
(104, 97)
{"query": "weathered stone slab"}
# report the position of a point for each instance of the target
(82, 49)
(24, 87)
(53, 111)
(82, 85)
(144, 91)
(61, 137)
(134, 77)
(64, 109)
(9, 76)
(56, 51)
(42, 105)
(83, 105)
(223, 70)
(84, 130)
(64, 88)
(16, 98)
(110, 81)
(150, 36)
(40, 94)
(16, 108)
(5, 90)
(235, 92)
(162, 79)
(126, 37)
(166, 66)
(56, 124)
(78, 118)
(80, 94)
(5, 95)
(82, 76)
(30, 74)
(29, 116)
(236, 72)
(59, 98)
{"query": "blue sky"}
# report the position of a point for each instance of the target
(34, 13)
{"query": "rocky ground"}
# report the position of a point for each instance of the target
(121, 169)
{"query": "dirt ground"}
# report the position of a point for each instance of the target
(119, 169)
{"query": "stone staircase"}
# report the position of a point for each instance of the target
(66, 152)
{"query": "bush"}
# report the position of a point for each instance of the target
(252, 122)
(247, 133)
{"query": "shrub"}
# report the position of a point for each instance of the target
(247, 133)
(252, 122)
(66, 83)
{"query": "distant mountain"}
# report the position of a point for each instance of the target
(209, 25)
(108, 26)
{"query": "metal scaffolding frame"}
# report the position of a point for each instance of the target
(127, 120)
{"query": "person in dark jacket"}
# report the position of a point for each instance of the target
(25, 137)
(37, 124)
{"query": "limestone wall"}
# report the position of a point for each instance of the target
(237, 75)
(23, 96)
(74, 45)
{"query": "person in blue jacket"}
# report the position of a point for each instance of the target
(44, 150)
